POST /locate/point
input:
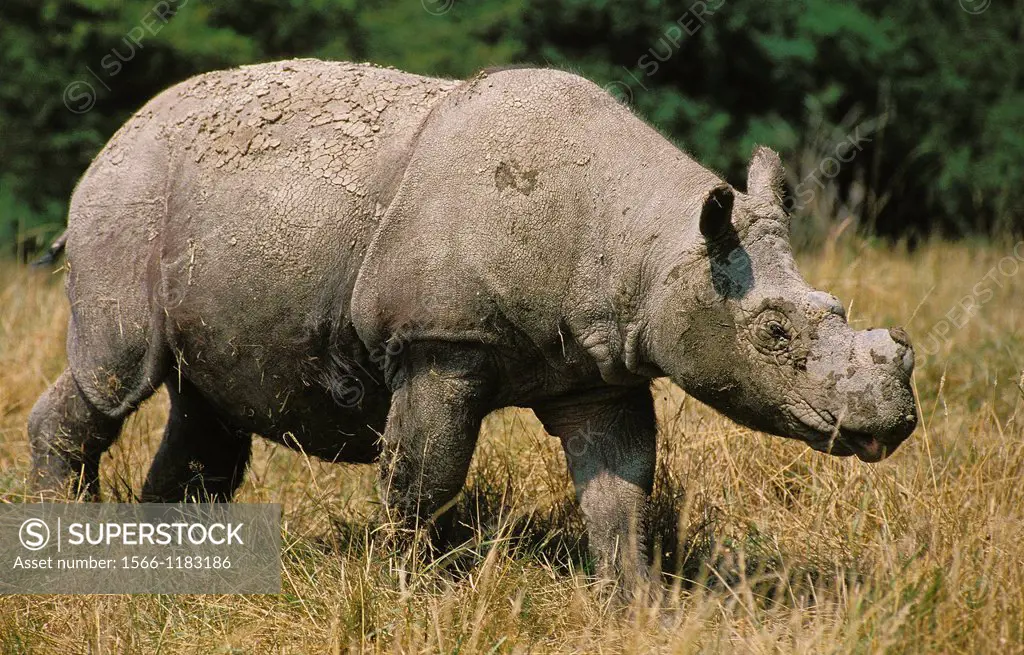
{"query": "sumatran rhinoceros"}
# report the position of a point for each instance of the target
(362, 263)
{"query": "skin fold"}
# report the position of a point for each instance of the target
(362, 264)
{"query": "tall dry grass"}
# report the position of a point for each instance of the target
(766, 546)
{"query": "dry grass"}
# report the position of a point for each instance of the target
(783, 549)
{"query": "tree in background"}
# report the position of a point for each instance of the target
(902, 118)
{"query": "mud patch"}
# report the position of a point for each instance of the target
(510, 175)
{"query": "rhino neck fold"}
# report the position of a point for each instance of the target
(646, 239)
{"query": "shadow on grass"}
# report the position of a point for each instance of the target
(691, 558)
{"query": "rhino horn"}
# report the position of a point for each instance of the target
(766, 177)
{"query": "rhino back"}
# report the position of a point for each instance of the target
(236, 207)
(525, 215)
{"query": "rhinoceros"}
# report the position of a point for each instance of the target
(362, 263)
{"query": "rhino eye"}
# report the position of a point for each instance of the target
(774, 335)
(777, 331)
(772, 332)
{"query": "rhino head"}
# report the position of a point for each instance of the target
(739, 329)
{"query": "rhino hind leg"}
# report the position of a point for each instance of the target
(68, 435)
(609, 441)
(80, 417)
(201, 458)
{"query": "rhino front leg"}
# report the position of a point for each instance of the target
(609, 441)
(441, 397)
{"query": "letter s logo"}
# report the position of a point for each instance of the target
(34, 534)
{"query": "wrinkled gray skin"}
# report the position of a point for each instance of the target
(323, 253)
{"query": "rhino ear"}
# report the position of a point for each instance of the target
(716, 214)
(766, 177)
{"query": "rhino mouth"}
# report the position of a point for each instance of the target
(821, 432)
(867, 447)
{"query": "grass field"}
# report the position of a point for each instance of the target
(767, 546)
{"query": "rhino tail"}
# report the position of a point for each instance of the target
(53, 252)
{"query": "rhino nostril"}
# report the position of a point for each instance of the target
(900, 336)
(904, 351)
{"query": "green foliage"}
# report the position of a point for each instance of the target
(941, 86)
